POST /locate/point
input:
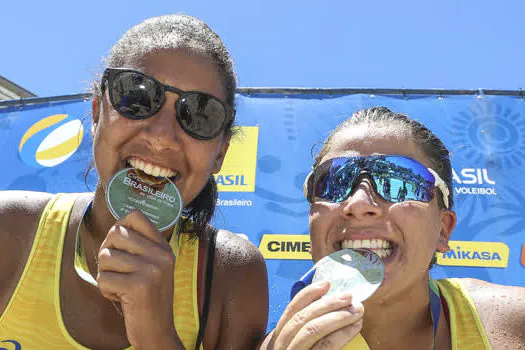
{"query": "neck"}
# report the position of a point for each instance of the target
(404, 320)
(100, 220)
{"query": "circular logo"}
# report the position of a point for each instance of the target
(156, 197)
(491, 133)
(51, 140)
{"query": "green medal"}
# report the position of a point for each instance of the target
(156, 197)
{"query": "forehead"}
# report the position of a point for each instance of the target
(363, 140)
(183, 69)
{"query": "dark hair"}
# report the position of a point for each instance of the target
(436, 152)
(170, 32)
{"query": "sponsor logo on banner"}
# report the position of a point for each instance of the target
(51, 140)
(234, 202)
(473, 181)
(287, 247)
(238, 170)
(523, 255)
(479, 254)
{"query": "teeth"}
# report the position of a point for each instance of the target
(150, 168)
(381, 247)
(367, 243)
(383, 253)
(155, 171)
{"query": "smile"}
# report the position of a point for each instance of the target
(381, 247)
(151, 169)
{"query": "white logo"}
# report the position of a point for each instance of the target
(473, 176)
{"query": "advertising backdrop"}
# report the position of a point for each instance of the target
(47, 147)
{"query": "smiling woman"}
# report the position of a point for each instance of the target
(382, 183)
(164, 106)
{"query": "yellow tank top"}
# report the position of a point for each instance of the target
(466, 330)
(33, 318)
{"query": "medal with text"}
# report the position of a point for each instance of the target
(156, 197)
(358, 271)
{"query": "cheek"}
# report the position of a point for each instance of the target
(199, 159)
(201, 154)
(107, 114)
(417, 223)
(110, 129)
(320, 219)
(110, 133)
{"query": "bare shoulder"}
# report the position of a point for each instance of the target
(501, 310)
(236, 252)
(19, 216)
(486, 294)
(243, 284)
(19, 210)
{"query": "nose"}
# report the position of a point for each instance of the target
(362, 204)
(162, 130)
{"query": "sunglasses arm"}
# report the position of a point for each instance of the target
(439, 183)
(306, 185)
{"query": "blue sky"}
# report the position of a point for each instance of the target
(55, 47)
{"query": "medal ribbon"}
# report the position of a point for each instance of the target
(435, 307)
(81, 266)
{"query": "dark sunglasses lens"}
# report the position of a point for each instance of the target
(400, 179)
(135, 95)
(201, 115)
(334, 179)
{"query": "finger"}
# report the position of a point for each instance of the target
(314, 313)
(340, 338)
(124, 238)
(138, 222)
(325, 328)
(139, 284)
(304, 298)
(117, 260)
(123, 287)
(113, 284)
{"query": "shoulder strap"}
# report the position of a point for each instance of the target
(207, 292)
(466, 328)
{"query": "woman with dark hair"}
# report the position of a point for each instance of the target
(350, 209)
(165, 107)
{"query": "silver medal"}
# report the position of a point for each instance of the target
(358, 271)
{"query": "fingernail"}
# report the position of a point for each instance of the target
(355, 310)
(321, 284)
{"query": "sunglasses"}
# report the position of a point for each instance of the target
(136, 95)
(396, 179)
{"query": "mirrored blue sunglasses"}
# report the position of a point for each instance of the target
(396, 179)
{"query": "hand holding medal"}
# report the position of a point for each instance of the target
(135, 261)
(329, 311)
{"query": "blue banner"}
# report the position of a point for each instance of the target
(48, 148)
